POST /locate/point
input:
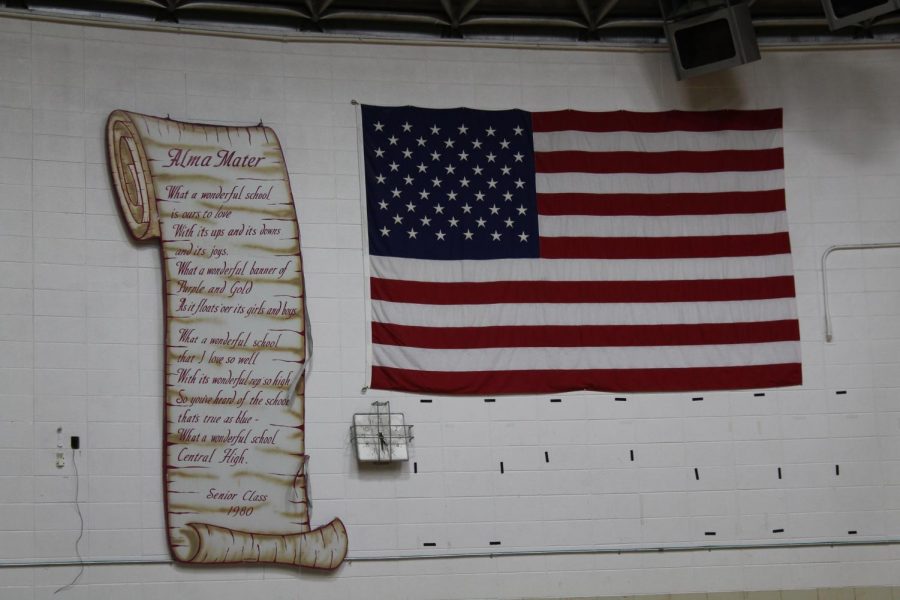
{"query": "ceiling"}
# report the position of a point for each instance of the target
(584, 21)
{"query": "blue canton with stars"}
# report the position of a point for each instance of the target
(450, 184)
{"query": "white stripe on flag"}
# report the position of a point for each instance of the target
(673, 141)
(667, 226)
(631, 313)
(666, 183)
(629, 357)
(516, 269)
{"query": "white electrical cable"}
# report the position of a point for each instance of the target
(80, 530)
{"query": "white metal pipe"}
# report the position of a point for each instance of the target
(26, 563)
(827, 253)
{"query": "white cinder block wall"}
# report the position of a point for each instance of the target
(80, 336)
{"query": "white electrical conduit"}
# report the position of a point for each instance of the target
(489, 553)
(828, 332)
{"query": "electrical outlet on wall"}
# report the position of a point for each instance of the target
(60, 457)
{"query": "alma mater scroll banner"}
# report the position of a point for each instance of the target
(516, 252)
(219, 200)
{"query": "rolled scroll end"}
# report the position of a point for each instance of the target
(328, 549)
(193, 541)
(131, 176)
(322, 548)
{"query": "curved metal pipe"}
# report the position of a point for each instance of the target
(524, 21)
(825, 255)
(385, 16)
(246, 8)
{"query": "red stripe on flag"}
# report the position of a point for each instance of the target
(576, 161)
(666, 247)
(661, 204)
(674, 120)
(518, 292)
(601, 380)
(585, 336)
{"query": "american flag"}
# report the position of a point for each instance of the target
(514, 252)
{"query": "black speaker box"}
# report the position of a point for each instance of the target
(842, 13)
(711, 41)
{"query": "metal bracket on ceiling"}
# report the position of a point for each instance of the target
(595, 18)
(456, 13)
